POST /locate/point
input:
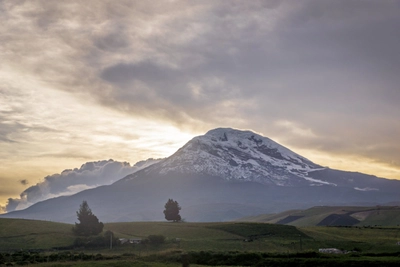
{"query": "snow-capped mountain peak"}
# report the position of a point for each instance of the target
(276, 179)
(241, 155)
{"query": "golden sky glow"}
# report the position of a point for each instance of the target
(131, 80)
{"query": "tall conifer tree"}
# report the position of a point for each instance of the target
(88, 222)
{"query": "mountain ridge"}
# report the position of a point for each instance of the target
(241, 155)
(202, 176)
(380, 215)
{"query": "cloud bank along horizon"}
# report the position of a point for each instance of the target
(130, 80)
(71, 181)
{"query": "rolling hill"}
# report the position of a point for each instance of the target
(17, 234)
(334, 216)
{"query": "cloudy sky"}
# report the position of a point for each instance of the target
(84, 81)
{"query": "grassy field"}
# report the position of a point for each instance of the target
(212, 236)
(27, 234)
(367, 240)
(16, 234)
(223, 241)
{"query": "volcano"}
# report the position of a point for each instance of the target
(220, 176)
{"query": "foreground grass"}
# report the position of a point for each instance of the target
(204, 258)
(27, 234)
(207, 244)
(201, 258)
(118, 263)
(115, 263)
(17, 234)
(364, 239)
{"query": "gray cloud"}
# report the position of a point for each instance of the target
(71, 181)
(6, 129)
(11, 131)
(326, 67)
(13, 127)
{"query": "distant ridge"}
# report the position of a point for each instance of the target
(338, 220)
(334, 216)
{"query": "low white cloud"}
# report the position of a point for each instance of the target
(71, 181)
(73, 189)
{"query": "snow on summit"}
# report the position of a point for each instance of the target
(243, 156)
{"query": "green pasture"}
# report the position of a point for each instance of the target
(364, 239)
(32, 234)
(212, 236)
(17, 234)
(217, 243)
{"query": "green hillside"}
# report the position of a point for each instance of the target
(214, 236)
(334, 216)
(28, 234)
(17, 234)
(206, 243)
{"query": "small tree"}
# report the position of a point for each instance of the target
(89, 223)
(171, 211)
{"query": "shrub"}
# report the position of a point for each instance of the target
(156, 239)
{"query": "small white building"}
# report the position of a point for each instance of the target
(130, 240)
(330, 251)
(123, 240)
(135, 240)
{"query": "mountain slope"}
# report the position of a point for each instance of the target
(334, 216)
(222, 175)
(241, 156)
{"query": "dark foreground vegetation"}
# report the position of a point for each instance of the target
(199, 258)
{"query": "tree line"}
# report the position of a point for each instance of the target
(89, 227)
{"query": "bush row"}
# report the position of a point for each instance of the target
(236, 258)
(23, 258)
